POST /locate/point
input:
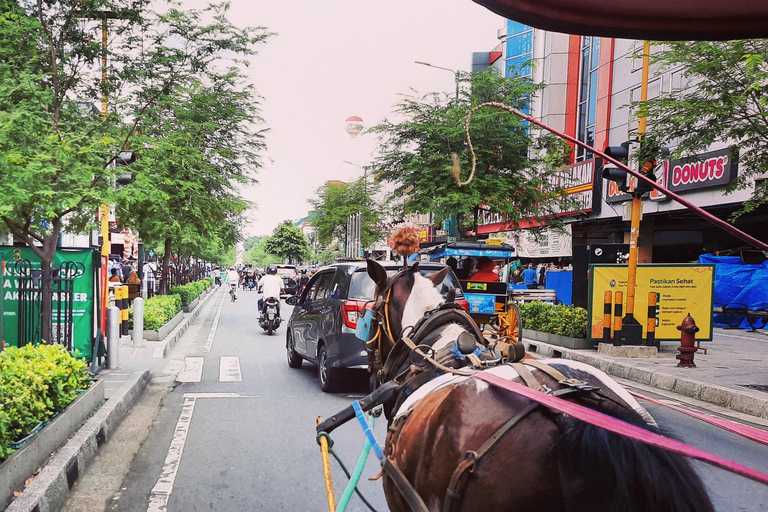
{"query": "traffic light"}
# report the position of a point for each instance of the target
(124, 158)
(648, 153)
(619, 176)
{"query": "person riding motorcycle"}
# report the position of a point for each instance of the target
(271, 285)
(232, 279)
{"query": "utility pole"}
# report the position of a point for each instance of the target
(455, 76)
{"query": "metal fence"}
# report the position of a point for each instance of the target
(31, 291)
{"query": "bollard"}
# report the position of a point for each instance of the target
(138, 321)
(618, 311)
(607, 300)
(687, 346)
(113, 338)
(124, 312)
(651, 326)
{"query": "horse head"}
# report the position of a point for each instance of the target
(403, 299)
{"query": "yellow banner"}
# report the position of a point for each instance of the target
(681, 289)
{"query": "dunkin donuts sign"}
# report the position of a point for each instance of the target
(713, 169)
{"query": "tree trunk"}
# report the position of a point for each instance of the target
(475, 214)
(46, 303)
(166, 263)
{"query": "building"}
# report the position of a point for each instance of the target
(591, 82)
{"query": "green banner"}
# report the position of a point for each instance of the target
(84, 297)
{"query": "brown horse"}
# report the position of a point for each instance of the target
(540, 461)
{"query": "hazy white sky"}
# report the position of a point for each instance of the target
(333, 59)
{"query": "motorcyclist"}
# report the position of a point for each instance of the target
(270, 286)
(232, 279)
(216, 273)
(303, 280)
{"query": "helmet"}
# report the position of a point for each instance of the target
(271, 269)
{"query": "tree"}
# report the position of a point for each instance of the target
(510, 178)
(258, 255)
(288, 242)
(336, 201)
(724, 99)
(57, 155)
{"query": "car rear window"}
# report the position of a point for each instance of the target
(362, 286)
(286, 271)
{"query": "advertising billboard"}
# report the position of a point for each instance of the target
(681, 289)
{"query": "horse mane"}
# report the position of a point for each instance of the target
(605, 472)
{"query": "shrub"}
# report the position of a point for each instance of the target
(568, 321)
(35, 383)
(160, 309)
(190, 291)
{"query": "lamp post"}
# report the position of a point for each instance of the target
(455, 76)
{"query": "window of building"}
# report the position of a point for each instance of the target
(587, 107)
(519, 49)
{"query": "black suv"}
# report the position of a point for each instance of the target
(290, 276)
(322, 326)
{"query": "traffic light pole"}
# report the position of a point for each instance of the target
(632, 330)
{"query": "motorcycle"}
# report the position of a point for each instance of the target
(270, 317)
(217, 280)
(233, 292)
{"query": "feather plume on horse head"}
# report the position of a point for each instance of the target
(405, 241)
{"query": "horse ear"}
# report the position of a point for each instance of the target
(377, 273)
(413, 268)
(439, 277)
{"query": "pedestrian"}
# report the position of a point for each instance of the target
(133, 278)
(126, 270)
(114, 277)
(530, 277)
(150, 277)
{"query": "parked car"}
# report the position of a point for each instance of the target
(321, 329)
(290, 276)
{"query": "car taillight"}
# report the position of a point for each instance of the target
(464, 303)
(350, 310)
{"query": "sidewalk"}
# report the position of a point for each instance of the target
(733, 373)
(138, 367)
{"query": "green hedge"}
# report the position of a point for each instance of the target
(568, 321)
(159, 309)
(35, 383)
(191, 291)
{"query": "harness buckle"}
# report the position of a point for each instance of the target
(577, 384)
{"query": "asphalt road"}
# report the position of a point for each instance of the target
(223, 444)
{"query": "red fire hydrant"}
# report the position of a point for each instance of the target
(687, 346)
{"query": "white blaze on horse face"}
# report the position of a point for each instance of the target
(424, 297)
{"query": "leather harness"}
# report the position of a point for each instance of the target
(394, 369)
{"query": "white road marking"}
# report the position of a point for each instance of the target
(212, 334)
(219, 395)
(229, 369)
(193, 370)
(161, 492)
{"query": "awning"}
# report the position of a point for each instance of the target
(678, 20)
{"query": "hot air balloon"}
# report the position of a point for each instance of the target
(354, 125)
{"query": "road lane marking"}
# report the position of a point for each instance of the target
(193, 370)
(212, 333)
(229, 369)
(161, 492)
(218, 395)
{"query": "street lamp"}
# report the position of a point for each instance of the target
(455, 75)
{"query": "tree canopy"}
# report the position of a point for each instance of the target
(337, 200)
(511, 178)
(722, 98)
(288, 242)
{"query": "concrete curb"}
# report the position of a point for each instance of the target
(48, 492)
(174, 336)
(704, 391)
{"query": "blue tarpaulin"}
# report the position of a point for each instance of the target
(737, 282)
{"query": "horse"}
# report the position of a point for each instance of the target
(459, 444)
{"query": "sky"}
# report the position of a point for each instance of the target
(333, 59)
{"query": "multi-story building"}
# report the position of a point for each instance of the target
(591, 82)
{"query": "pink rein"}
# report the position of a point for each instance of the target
(622, 428)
